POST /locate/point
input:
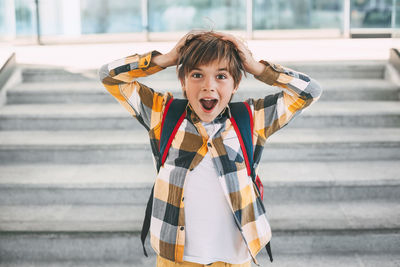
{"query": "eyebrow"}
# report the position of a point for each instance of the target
(222, 69)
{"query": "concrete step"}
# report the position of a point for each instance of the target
(130, 184)
(64, 232)
(333, 90)
(320, 70)
(94, 92)
(114, 116)
(340, 69)
(320, 216)
(281, 259)
(133, 146)
(325, 69)
(64, 92)
(40, 73)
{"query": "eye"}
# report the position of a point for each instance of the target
(197, 75)
(221, 77)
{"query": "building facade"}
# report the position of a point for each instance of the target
(118, 20)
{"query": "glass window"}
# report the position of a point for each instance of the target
(76, 17)
(184, 15)
(111, 16)
(7, 18)
(25, 17)
(297, 14)
(371, 13)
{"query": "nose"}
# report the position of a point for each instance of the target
(209, 84)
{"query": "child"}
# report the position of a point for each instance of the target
(206, 209)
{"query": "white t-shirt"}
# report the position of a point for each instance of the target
(211, 233)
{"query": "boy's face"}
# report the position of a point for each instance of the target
(209, 88)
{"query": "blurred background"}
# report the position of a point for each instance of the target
(76, 169)
(89, 20)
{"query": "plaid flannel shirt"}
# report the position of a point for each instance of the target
(191, 143)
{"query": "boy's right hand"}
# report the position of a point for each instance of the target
(171, 58)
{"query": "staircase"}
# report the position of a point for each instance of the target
(76, 171)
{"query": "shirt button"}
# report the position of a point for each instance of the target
(182, 228)
(209, 144)
(183, 199)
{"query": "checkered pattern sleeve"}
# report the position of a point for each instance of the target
(119, 78)
(275, 111)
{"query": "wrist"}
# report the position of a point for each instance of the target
(171, 58)
(257, 68)
(165, 60)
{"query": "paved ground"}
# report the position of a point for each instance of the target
(94, 55)
(349, 260)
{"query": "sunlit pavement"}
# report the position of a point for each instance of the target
(89, 56)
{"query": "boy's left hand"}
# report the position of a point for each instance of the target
(250, 64)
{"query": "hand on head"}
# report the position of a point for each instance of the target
(249, 63)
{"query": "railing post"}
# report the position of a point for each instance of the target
(346, 18)
(38, 34)
(393, 24)
(145, 18)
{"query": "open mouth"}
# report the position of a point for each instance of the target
(208, 104)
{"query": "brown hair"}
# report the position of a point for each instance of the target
(206, 47)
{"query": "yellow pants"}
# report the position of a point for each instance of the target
(161, 262)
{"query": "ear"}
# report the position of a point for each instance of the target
(183, 87)
(237, 86)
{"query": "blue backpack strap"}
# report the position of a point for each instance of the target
(174, 113)
(242, 121)
(172, 119)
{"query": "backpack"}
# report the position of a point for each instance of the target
(174, 114)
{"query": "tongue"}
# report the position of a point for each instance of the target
(208, 104)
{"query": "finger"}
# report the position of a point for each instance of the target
(240, 43)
